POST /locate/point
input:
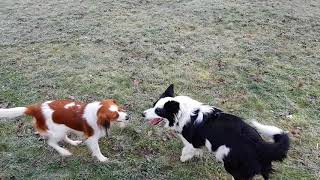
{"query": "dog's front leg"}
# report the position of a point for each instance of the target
(92, 143)
(187, 153)
(198, 152)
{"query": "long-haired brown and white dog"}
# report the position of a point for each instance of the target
(54, 119)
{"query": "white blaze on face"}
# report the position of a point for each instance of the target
(121, 121)
(67, 106)
(113, 108)
(122, 116)
(150, 113)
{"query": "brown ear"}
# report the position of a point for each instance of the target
(114, 101)
(105, 116)
(112, 116)
(102, 116)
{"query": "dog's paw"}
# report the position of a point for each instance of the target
(198, 153)
(75, 143)
(65, 152)
(103, 159)
(184, 158)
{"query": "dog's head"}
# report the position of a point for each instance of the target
(165, 108)
(110, 112)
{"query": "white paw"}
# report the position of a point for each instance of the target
(198, 153)
(184, 158)
(65, 152)
(102, 159)
(75, 143)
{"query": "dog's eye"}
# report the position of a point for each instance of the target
(157, 110)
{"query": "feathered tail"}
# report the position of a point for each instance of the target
(12, 112)
(278, 150)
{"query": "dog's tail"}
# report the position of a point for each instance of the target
(13, 112)
(278, 150)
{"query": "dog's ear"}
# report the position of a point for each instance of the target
(172, 106)
(102, 116)
(115, 101)
(105, 116)
(169, 92)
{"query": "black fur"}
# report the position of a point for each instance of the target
(168, 111)
(107, 126)
(249, 153)
(169, 92)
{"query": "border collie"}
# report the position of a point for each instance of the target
(235, 143)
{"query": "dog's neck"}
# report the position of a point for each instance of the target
(194, 115)
(183, 116)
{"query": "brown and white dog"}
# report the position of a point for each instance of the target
(54, 119)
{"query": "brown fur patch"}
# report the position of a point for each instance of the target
(70, 116)
(105, 116)
(40, 123)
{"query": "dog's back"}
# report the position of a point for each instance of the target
(248, 154)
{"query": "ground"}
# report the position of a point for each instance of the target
(256, 59)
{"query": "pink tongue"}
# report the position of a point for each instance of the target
(155, 121)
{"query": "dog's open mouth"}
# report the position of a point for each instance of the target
(155, 121)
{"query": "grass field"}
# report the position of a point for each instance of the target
(256, 59)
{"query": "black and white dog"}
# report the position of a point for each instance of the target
(235, 143)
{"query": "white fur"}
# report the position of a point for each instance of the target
(12, 112)
(56, 132)
(187, 107)
(92, 143)
(188, 151)
(69, 105)
(90, 115)
(150, 113)
(208, 145)
(266, 130)
(204, 109)
(72, 142)
(122, 119)
(222, 152)
(122, 116)
(113, 108)
(184, 141)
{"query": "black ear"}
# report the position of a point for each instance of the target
(169, 92)
(172, 106)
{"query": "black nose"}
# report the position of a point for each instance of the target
(143, 115)
(127, 118)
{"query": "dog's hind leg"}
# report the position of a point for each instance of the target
(53, 142)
